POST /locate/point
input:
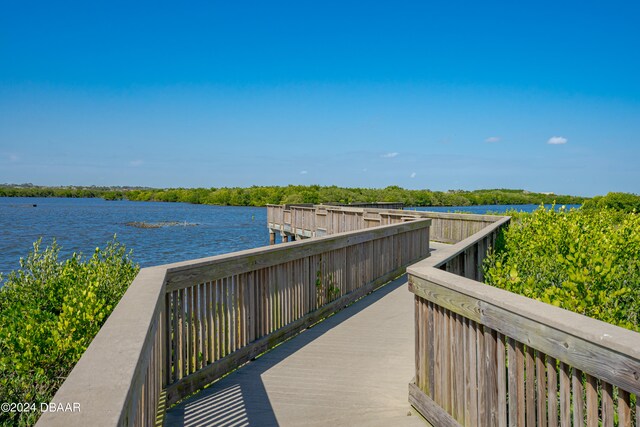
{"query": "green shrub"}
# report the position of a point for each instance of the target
(50, 311)
(586, 261)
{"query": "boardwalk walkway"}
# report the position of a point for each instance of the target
(352, 369)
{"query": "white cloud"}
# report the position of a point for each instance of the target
(413, 175)
(389, 155)
(303, 172)
(493, 139)
(136, 163)
(364, 170)
(13, 157)
(557, 140)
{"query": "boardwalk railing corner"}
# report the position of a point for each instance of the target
(488, 357)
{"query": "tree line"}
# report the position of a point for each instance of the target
(263, 195)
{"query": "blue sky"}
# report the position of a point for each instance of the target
(543, 96)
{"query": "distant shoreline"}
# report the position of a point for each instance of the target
(261, 196)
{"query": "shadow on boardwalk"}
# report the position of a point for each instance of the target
(342, 379)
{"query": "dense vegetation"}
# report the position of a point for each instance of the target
(30, 190)
(260, 196)
(50, 310)
(619, 201)
(584, 260)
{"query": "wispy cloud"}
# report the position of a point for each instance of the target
(136, 163)
(303, 172)
(557, 140)
(389, 155)
(13, 158)
(413, 175)
(493, 139)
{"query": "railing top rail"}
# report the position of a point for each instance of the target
(408, 212)
(452, 215)
(487, 302)
(405, 212)
(305, 208)
(445, 254)
(183, 273)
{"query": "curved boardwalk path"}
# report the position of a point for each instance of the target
(352, 369)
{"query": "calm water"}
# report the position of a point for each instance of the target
(80, 225)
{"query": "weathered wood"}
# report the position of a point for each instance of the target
(430, 351)
(607, 404)
(530, 397)
(462, 304)
(459, 369)
(202, 330)
(513, 382)
(483, 408)
(451, 342)
(184, 331)
(186, 273)
(501, 377)
(166, 334)
(624, 408)
(465, 371)
(592, 401)
(418, 330)
(438, 355)
(541, 389)
(429, 409)
(219, 320)
(565, 395)
(446, 343)
(552, 391)
(491, 366)
(578, 397)
(520, 400)
(208, 374)
(540, 325)
(448, 228)
(472, 338)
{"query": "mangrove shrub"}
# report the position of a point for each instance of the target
(586, 261)
(50, 310)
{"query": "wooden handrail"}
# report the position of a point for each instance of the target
(488, 357)
(181, 326)
(325, 219)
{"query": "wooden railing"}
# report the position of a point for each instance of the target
(488, 357)
(181, 326)
(320, 220)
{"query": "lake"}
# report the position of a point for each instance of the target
(81, 225)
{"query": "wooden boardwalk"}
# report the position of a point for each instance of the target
(350, 370)
(461, 352)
